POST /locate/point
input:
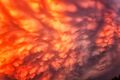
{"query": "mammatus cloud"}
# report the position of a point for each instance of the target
(59, 39)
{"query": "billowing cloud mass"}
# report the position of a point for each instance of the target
(59, 39)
